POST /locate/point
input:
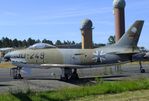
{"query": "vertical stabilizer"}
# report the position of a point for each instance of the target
(131, 37)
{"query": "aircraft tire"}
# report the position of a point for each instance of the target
(74, 76)
(64, 78)
(142, 70)
(19, 76)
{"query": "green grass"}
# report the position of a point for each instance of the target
(77, 92)
(139, 95)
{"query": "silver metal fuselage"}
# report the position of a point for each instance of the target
(105, 55)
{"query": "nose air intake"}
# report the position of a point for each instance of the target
(7, 57)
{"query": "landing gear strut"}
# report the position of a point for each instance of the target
(15, 72)
(142, 70)
(69, 74)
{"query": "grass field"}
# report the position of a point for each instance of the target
(101, 90)
(140, 95)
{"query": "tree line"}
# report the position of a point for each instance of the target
(6, 42)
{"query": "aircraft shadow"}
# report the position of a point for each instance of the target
(84, 80)
(93, 80)
(3, 85)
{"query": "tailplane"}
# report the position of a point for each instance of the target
(131, 37)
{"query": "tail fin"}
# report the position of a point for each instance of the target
(131, 37)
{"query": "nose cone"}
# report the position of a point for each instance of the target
(7, 56)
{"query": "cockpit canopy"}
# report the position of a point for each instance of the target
(41, 46)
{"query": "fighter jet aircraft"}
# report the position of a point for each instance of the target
(69, 60)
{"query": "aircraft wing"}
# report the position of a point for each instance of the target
(77, 66)
(64, 66)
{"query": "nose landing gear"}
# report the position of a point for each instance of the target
(69, 74)
(15, 73)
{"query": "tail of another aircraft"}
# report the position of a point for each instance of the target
(131, 37)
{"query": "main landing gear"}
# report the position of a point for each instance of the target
(142, 70)
(69, 74)
(15, 72)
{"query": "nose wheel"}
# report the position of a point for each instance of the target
(15, 73)
(69, 74)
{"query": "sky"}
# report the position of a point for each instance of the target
(61, 19)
